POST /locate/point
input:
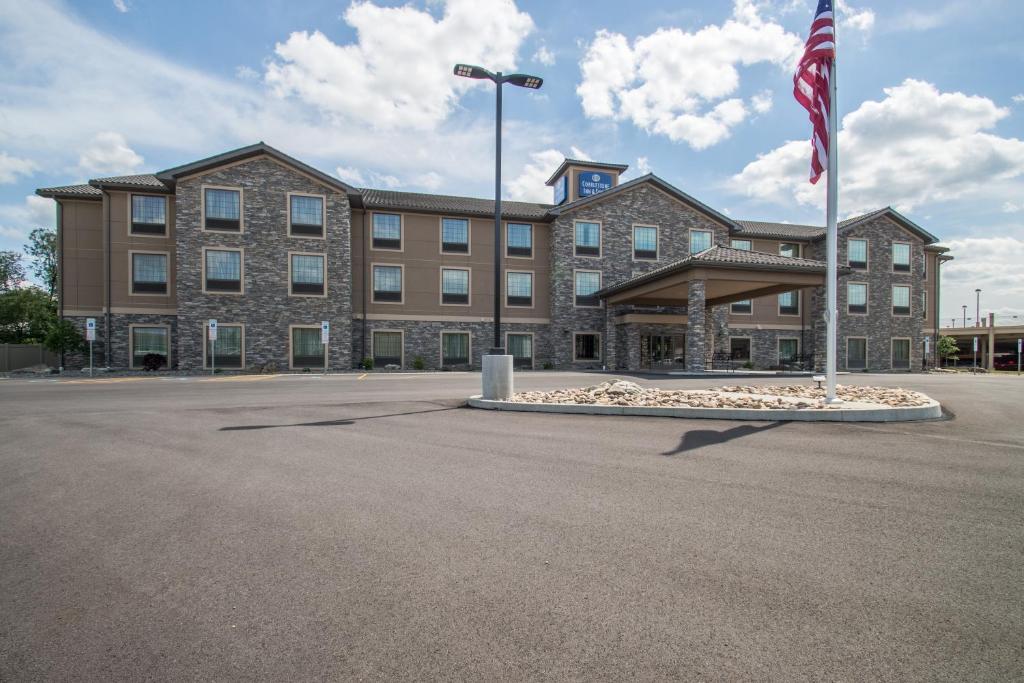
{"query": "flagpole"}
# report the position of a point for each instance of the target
(831, 240)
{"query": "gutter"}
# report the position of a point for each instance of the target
(366, 292)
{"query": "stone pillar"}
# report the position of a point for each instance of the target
(695, 327)
(718, 327)
(991, 342)
(610, 340)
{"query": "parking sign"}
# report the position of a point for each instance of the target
(325, 331)
(90, 329)
(213, 329)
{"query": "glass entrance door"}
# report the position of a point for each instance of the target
(662, 351)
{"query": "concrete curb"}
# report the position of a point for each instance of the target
(929, 412)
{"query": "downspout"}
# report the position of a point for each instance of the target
(936, 304)
(366, 285)
(60, 270)
(108, 255)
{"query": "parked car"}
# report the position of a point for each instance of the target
(1005, 362)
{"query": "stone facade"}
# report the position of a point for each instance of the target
(120, 339)
(265, 308)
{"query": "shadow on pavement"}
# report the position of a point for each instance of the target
(333, 423)
(699, 438)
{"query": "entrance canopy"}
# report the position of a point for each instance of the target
(727, 275)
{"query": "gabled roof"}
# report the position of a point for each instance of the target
(70, 192)
(145, 181)
(812, 233)
(567, 162)
(242, 153)
(896, 216)
(651, 179)
(438, 203)
(723, 257)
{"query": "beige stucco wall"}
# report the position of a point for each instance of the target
(765, 310)
(82, 255)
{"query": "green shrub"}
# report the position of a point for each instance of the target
(748, 365)
(418, 363)
(367, 363)
(63, 337)
(548, 365)
(153, 361)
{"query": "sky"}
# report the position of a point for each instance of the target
(930, 100)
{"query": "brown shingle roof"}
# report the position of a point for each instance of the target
(437, 203)
(780, 230)
(144, 180)
(70, 192)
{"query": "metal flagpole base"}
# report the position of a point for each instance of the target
(497, 377)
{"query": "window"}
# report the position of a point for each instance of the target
(742, 307)
(856, 353)
(587, 282)
(789, 349)
(700, 240)
(856, 297)
(518, 289)
(739, 349)
(454, 348)
(223, 270)
(147, 341)
(226, 352)
(857, 253)
(307, 274)
(149, 273)
(387, 284)
(455, 235)
(645, 243)
(588, 239)
(454, 286)
(387, 348)
(789, 250)
(519, 239)
(306, 215)
(924, 268)
(520, 347)
(387, 231)
(223, 209)
(900, 354)
(307, 350)
(900, 300)
(789, 303)
(745, 245)
(586, 346)
(900, 257)
(149, 215)
(924, 303)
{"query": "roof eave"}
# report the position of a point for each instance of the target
(621, 168)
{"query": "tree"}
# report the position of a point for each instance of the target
(42, 247)
(63, 337)
(26, 315)
(947, 348)
(12, 272)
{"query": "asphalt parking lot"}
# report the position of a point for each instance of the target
(306, 527)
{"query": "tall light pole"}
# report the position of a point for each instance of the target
(499, 79)
(977, 308)
(965, 315)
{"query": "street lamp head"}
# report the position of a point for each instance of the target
(525, 81)
(472, 71)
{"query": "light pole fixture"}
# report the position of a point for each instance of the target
(965, 315)
(499, 79)
(977, 308)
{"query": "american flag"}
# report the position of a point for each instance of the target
(810, 84)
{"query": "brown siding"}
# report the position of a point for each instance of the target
(123, 242)
(765, 310)
(82, 228)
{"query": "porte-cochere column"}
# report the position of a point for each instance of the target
(695, 327)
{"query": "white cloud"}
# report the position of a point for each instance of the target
(989, 263)
(576, 153)
(762, 102)
(678, 83)
(398, 73)
(247, 73)
(1012, 207)
(529, 185)
(642, 166)
(121, 5)
(855, 19)
(916, 146)
(544, 56)
(12, 167)
(430, 181)
(18, 220)
(108, 153)
(1019, 99)
(358, 178)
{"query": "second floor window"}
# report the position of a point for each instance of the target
(857, 253)
(149, 273)
(901, 257)
(223, 270)
(588, 239)
(519, 239)
(455, 235)
(454, 286)
(387, 283)
(745, 245)
(387, 231)
(900, 300)
(856, 298)
(789, 303)
(742, 307)
(645, 242)
(700, 240)
(306, 215)
(519, 289)
(588, 282)
(149, 215)
(307, 274)
(789, 250)
(223, 209)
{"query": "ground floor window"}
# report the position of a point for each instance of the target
(587, 346)
(227, 351)
(387, 348)
(662, 350)
(856, 353)
(307, 351)
(901, 354)
(520, 347)
(742, 307)
(454, 348)
(789, 349)
(739, 349)
(150, 341)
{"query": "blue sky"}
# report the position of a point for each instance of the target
(697, 92)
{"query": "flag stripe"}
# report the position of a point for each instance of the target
(810, 84)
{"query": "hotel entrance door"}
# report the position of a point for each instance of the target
(662, 351)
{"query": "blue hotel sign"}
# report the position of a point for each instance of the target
(592, 182)
(561, 189)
